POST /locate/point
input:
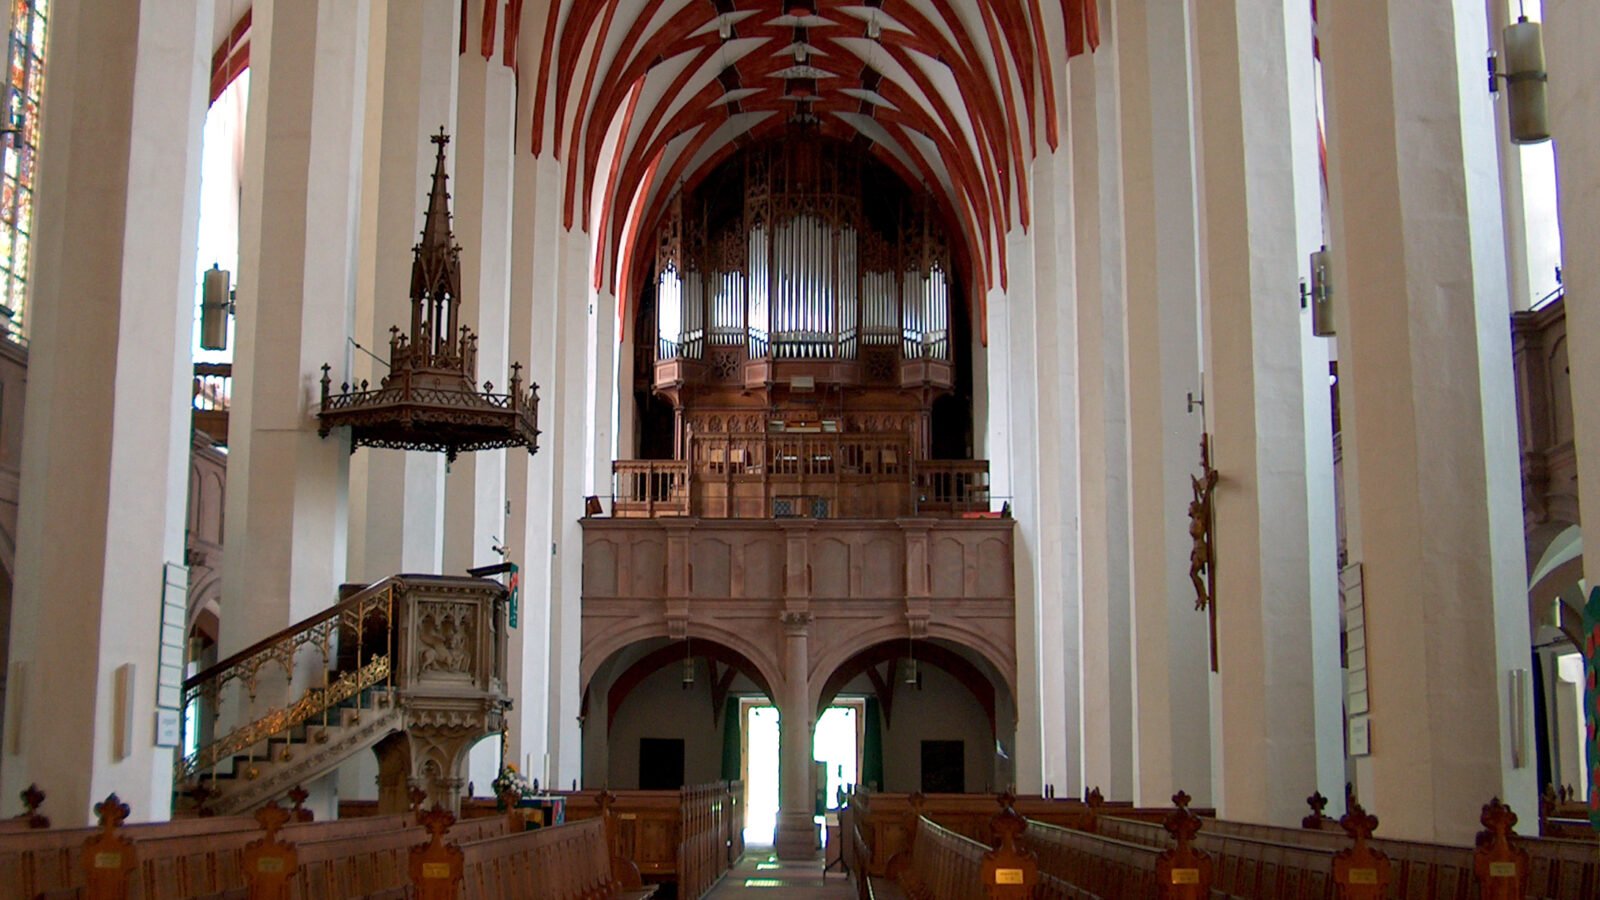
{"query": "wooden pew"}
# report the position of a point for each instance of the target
(1109, 867)
(563, 862)
(940, 864)
(689, 837)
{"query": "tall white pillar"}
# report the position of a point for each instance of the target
(1435, 516)
(475, 488)
(1102, 424)
(412, 86)
(1572, 27)
(106, 432)
(796, 836)
(1170, 638)
(288, 488)
(1051, 399)
(1255, 399)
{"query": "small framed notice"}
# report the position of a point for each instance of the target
(1360, 736)
(167, 728)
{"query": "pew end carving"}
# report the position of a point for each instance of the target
(1361, 872)
(1500, 865)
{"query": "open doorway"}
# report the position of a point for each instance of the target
(835, 753)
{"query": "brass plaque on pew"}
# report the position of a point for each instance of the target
(269, 864)
(1185, 876)
(108, 860)
(1502, 870)
(436, 870)
(1363, 876)
(1008, 876)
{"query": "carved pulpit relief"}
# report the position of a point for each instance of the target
(445, 634)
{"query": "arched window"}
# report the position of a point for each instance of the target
(19, 160)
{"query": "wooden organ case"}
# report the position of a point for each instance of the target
(800, 302)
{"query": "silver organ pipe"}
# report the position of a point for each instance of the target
(810, 279)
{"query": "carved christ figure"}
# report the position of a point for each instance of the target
(1200, 559)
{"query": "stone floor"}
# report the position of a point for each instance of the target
(761, 876)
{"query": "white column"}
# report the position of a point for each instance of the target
(1102, 437)
(796, 836)
(1014, 427)
(1573, 66)
(287, 488)
(1170, 638)
(1430, 425)
(533, 482)
(412, 88)
(1052, 406)
(106, 431)
(475, 488)
(1255, 402)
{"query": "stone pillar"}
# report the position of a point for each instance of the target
(398, 497)
(475, 488)
(796, 836)
(106, 436)
(1107, 758)
(1170, 639)
(1265, 689)
(1572, 82)
(1435, 509)
(287, 488)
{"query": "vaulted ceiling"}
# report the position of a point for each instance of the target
(640, 97)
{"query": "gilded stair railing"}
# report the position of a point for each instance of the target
(370, 666)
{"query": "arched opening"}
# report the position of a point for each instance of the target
(937, 717)
(661, 713)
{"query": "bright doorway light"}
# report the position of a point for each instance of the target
(835, 745)
(761, 774)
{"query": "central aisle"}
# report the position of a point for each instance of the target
(759, 873)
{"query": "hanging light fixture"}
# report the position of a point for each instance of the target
(688, 665)
(912, 677)
(1525, 77)
(216, 305)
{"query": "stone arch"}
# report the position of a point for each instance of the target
(978, 682)
(1000, 657)
(602, 647)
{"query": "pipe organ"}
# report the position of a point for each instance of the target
(801, 298)
(802, 269)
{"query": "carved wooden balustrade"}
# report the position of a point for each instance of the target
(421, 654)
(734, 475)
(212, 396)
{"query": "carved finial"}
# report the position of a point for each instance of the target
(1095, 799)
(1318, 803)
(1359, 824)
(111, 812)
(272, 817)
(437, 820)
(1182, 824)
(1181, 800)
(298, 795)
(1499, 819)
(1008, 825)
(33, 798)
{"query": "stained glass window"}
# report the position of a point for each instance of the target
(18, 156)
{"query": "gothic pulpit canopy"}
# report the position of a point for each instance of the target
(431, 399)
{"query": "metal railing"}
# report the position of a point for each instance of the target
(347, 670)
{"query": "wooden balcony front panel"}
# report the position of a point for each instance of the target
(1544, 412)
(808, 476)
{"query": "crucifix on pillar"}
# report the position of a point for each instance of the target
(1202, 558)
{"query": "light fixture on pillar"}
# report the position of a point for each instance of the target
(724, 27)
(216, 305)
(1321, 295)
(913, 677)
(1525, 77)
(688, 665)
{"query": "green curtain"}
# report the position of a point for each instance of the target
(872, 748)
(730, 740)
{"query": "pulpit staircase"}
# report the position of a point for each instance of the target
(414, 654)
